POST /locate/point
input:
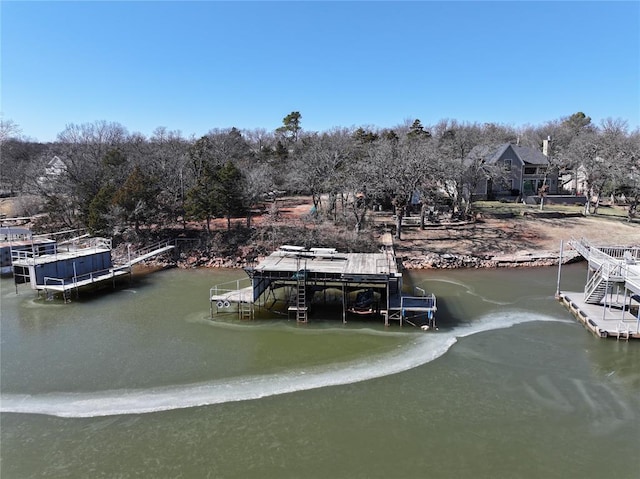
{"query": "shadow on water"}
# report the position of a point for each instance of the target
(446, 318)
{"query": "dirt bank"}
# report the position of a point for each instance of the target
(529, 239)
(518, 241)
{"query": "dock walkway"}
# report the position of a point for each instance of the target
(150, 254)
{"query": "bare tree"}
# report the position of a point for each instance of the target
(403, 167)
(318, 166)
(599, 153)
(460, 174)
(84, 151)
(361, 181)
(8, 129)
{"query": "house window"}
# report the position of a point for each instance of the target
(507, 165)
(529, 170)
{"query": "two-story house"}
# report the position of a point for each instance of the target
(511, 170)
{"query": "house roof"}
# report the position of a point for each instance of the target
(491, 154)
(56, 162)
(530, 156)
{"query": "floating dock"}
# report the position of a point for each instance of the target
(366, 283)
(612, 321)
(609, 306)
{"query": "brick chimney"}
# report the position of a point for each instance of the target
(546, 144)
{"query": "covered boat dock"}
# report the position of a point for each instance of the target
(367, 284)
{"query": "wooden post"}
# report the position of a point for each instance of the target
(604, 309)
(559, 268)
(344, 303)
(386, 316)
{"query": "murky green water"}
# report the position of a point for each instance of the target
(140, 383)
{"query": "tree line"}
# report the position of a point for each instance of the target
(114, 180)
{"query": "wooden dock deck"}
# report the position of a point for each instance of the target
(610, 321)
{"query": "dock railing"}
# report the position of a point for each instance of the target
(22, 255)
(150, 248)
(429, 297)
(228, 287)
(63, 285)
(135, 256)
(91, 277)
(82, 243)
(48, 280)
(610, 263)
(223, 294)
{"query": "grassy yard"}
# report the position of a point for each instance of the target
(497, 208)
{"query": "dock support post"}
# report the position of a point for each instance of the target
(559, 267)
(344, 304)
(386, 316)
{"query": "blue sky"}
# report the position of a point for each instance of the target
(195, 66)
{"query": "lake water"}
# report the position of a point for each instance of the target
(139, 382)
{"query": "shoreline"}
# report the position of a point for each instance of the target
(408, 261)
(495, 240)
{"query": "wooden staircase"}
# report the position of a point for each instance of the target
(609, 266)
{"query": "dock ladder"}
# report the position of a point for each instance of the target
(245, 310)
(623, 331)
(301, 296)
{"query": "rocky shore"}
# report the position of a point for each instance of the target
(454, 261)
(414, 260)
